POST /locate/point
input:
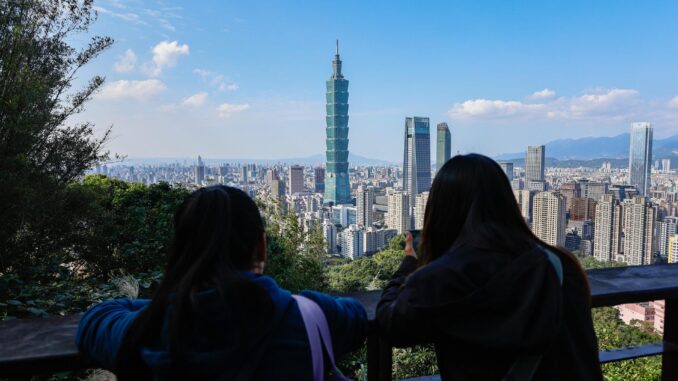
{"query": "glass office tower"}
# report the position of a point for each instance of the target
(416, 158)
(443, 145)
(640, 157)
(337, 189)
(534, 163)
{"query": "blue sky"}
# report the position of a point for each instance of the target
(247, 79)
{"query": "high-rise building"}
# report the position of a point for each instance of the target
(640, 157)
(295, 179)
(319, 179)
(607, 238)
(199, 172)
(665, 230)
(416, 158)
(398, 216)
(364, 204)
(370, 240)
(420, 210)
(548, 217)
(507, 167)
(443, 145)
(243, 174)
(582, 209)
(673, 249)
(592, 190)
(337, 188)
(666, 165)
(352, 245)
(535, 161)
(330, 234)
(639, 224)
(524, 199)
(277, 188)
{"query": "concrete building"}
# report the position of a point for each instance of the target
(548, 217)
(607, 238)
(639, 224)
(640, 157)
(364, 205)
(398, 217)
(295, 178)
(535, 162)
(420, 210)
(443, 145)
(416, 159)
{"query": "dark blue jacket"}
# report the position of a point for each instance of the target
(287, 356)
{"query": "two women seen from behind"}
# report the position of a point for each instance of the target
(215, 316)
(497, 302)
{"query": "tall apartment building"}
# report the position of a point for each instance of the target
(443, 145)
(582, 209)
(364, 204)
(535, 161)
(398, 216)
(673, 249)
(416, 158)
(665, 230)
(352, 245)
(608, 223)
(548, 217)
(199, 175)
(420, 210)
(524, 199)
(330, 234)
(639, 224)
(640, 157)
(295, 179)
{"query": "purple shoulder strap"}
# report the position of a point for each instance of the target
(318, 333)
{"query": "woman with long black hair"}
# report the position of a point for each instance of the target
(215, 316)
(497, 302)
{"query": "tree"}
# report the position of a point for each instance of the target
(40, 152)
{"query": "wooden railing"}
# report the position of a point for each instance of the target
(38, 346)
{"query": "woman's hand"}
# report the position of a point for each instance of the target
(409, 245)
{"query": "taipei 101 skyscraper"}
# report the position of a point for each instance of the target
(337, 188)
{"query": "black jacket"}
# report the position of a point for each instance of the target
(482, 309)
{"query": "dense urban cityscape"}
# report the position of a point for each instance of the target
(611, 214)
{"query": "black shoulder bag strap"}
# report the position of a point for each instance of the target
(525, 366)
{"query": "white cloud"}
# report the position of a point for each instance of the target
(542, 94)
(137, 90)
(195, 100)
(487, 108)
(165, 55)
(127, 16)
(226, 109)
(229, 87)
(673, 103)
(125, 62)
(608, 103)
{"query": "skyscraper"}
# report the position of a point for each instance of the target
(398, 211)
(420, 210)
(416, 158)
(364, 203)
(548, 217)
(666, 230)
(639, 225)
(507, 167)
(296, 179)
(607, 238)
(443, 145)
(534, 163)
(640, 157)
(199, 171)
(337, 189)
(319, 179)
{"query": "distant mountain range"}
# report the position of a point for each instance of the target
(585, 149)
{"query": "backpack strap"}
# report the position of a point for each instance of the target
(525, 366)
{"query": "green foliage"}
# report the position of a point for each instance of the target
(39, 152)
(414, 362)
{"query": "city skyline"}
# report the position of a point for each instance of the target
(182, 82)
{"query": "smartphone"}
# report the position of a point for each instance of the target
(416, 234)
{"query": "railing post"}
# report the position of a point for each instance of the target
(670, 356)
(379, 358)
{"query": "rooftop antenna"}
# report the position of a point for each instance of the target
(337, 46)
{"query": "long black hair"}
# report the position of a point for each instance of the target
(471, 203)
(216, 233)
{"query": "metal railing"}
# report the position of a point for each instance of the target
(47, 345)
